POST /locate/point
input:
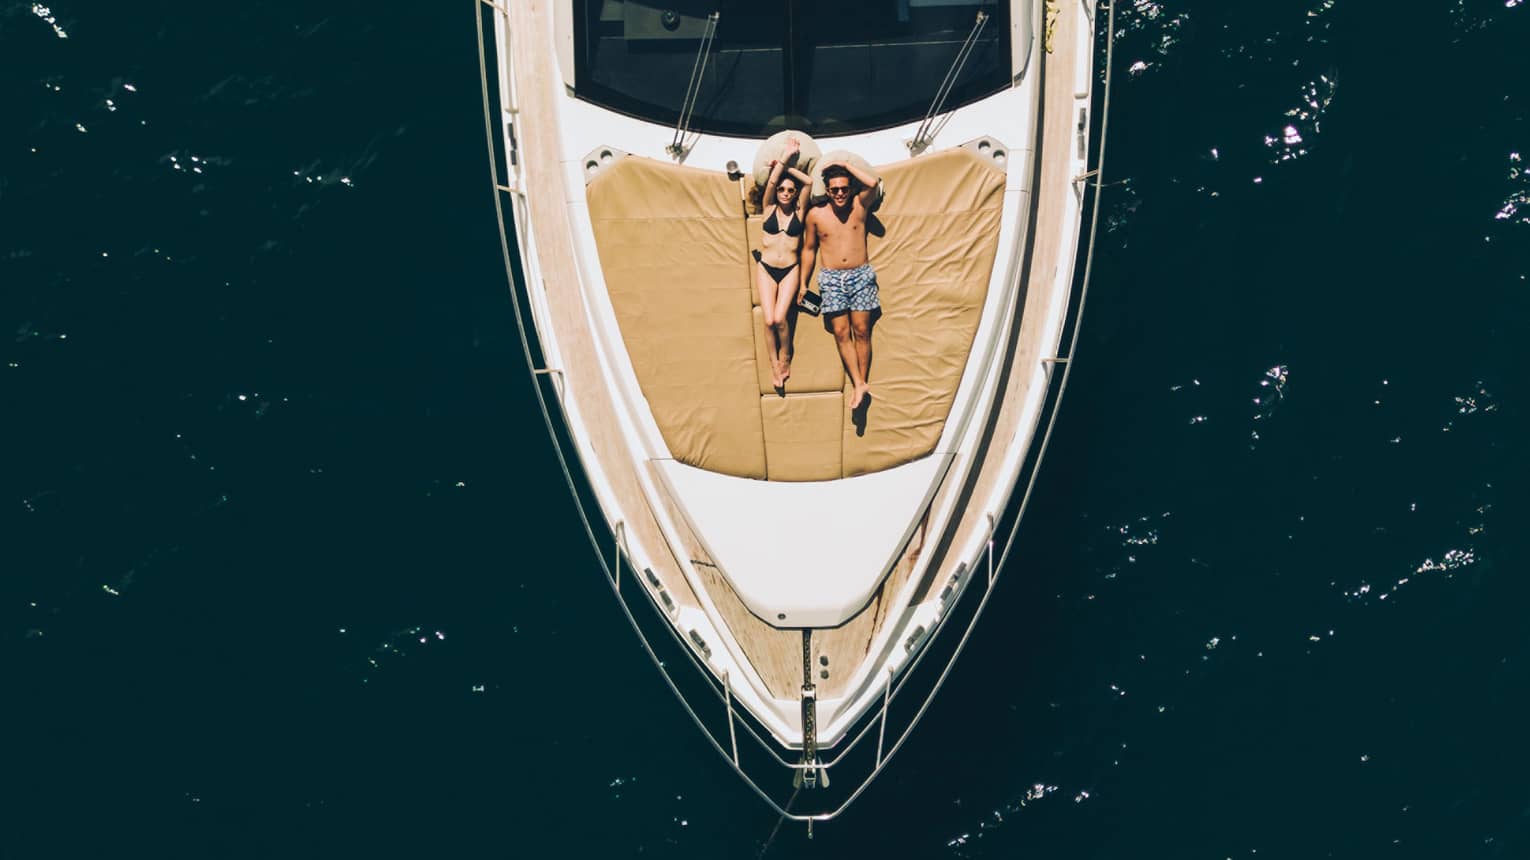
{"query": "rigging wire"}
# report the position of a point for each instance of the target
(676, 146)
(924, 134)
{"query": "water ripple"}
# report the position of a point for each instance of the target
(1472, 16)
(960, 844)
(47, 15)
(1124, 203)
(1272, 393)
(1150, 31)
(1448, 563)
(1477, 401)
(1125, 542)
(1304, 121)
(1519, 194)
(398, 646)
(181, 161)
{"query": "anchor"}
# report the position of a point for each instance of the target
(811, 769)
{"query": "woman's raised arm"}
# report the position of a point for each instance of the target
(804, 187)
(768, 199)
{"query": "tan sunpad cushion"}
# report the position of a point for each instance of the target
(816, 367)
(942, 217)
(754, 225)
(802, 436)
(673, 243)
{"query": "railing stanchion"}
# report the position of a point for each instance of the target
(616, 567)
(732, 733)
(991, 574)
(882, 730)
(553, 373)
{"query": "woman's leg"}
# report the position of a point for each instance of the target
(766, 285)
(786, 296)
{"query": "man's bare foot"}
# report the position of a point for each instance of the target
(861, 394)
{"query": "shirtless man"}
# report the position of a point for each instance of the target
(837, 234)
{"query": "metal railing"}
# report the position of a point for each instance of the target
(612, 566)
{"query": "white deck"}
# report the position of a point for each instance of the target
(805, 554)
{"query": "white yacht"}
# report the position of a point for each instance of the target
(820, 566)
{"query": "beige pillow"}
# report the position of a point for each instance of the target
(820, 193)
(772, 149)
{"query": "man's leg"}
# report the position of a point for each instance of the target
(860, 327)
(840, 324)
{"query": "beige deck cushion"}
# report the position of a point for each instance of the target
(942, 216)
(816, 367)
(802, 436)
(671, 243)
(753, 226)
(674, 247)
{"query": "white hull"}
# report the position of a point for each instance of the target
(662, 514)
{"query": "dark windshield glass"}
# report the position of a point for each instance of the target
(824, 67)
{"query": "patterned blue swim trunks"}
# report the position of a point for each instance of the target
(849, 289)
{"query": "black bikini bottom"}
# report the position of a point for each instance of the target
(775, 273)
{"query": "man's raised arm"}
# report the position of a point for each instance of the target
(868, 182)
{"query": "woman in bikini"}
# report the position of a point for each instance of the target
(776, 275)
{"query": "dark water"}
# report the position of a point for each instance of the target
(288, 571)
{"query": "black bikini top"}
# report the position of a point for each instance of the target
(794, 227)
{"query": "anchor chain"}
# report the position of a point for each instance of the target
(810, 768)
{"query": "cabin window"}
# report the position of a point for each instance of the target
(825, 67)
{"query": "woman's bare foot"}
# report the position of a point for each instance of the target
(861, 394)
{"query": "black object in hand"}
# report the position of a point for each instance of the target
(811, 302)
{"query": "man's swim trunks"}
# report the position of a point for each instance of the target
(848, 289)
